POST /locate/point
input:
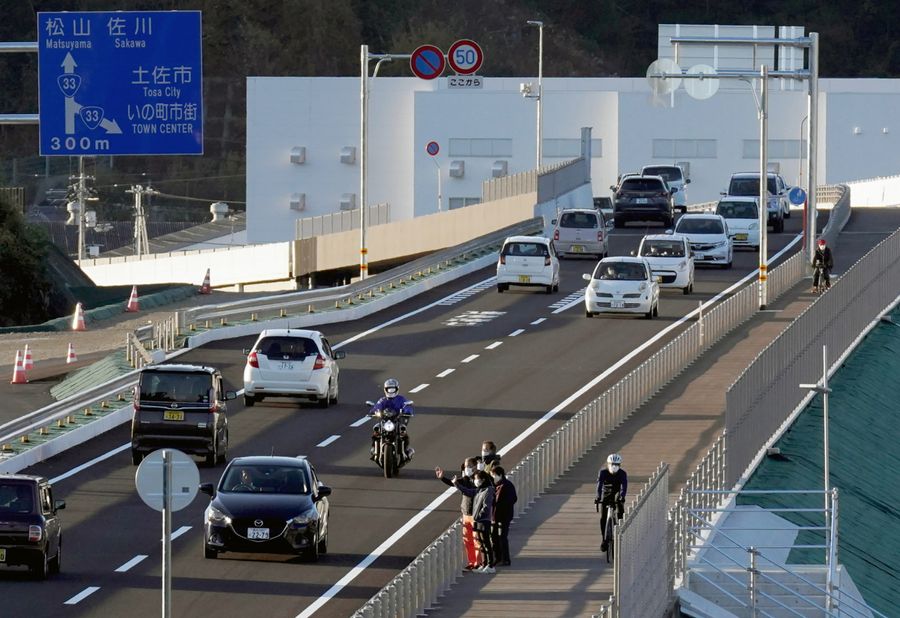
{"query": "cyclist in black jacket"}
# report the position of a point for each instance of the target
(823, 263)
(612, 485)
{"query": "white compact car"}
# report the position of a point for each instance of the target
(741, 214)
(670, 259)
(709, 238)
(674, 177)
(528, 261)
(580, 231)
(622, 285)
(286, 362)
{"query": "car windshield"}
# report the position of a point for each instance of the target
(663, 248)
(699, 226)
(16, 497)
(175, 386)
(266, 479)
(750, 186)
(668, 173)
(642, 184)
(737, 210)
(582, 220)
(621, 271)
(287, 348)
(526, 249)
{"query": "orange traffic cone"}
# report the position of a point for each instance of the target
(205, 287)
(78, 318)
(70, 355)
(132, 306)
(19, 370)
(28, 362)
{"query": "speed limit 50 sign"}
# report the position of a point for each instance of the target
(465, 57)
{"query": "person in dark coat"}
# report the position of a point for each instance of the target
(482, 512)
(824, 262)
(465, 506)
(504, 510)
(489, 457)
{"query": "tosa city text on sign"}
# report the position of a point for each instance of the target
(120, 83)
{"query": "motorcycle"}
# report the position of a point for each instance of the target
(390, 431)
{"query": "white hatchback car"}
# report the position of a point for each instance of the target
(622, 285)
(528, 261)
(287, 362)
(742, 216)
(580, 231)
(709, 238)
(671, 259)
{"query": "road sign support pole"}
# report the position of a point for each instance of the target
(439, 196)
(167, 535)
(764, 185)
(363, 156)
(540, 101)
(812, 148)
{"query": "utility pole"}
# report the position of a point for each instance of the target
(141, 241)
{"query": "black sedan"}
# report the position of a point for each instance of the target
(267, 505)
(30, 531)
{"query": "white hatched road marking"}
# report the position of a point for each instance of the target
(464, 294)
(420, 387)
(445, 373)
(180, 531)
(538, 321)
(328, 440)
(473, 318)
(569, 301)
(494, 345)
(134, 561)
(361, 421)
(517, 332)
(469, 359)
(82, 595)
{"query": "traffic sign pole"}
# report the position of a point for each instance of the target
(167, 535)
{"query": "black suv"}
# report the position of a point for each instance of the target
(643, 198)
(30, 532)
(183, 407)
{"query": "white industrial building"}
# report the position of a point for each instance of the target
(303, 138)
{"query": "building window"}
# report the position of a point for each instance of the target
(778, 149)
(461, 202)
(480, 147)
(570, 148)
(684, 149)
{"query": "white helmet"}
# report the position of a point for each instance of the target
(391, 387)
(614, 459)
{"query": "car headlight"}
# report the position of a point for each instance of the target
(642, 287)
(217, 517)
(754, 226)
(389, 425)
(304, 519)
(682, 264)
(721, 243)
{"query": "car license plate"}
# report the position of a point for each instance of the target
(617, 304)
(286, 366)
(641, 200)
(740, 237)
(258, 534)
(2, 555)
(173, 415)
(577, 248)
(524, 278)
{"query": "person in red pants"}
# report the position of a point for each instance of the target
(465, 479)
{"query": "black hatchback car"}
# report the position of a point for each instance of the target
(30, 531)
(267, 504)
(643, 198)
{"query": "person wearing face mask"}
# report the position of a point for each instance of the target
(482, 512)
(489, 457)
(504, 509)
(612, 485)
(465, 507)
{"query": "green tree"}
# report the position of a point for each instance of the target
(24, 288)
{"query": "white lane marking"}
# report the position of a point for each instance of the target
(83, 595)
(563, 303)
(179, 532)
(466, 293)
(516, 333)
(494, 345)
(473, 318)
(450, 491)
(570, 304)
(445, 373)
(420, 387)
(90, 463)
(538, 321)
(134, 561)
(470, 358)
(328, 440)
(361, 421)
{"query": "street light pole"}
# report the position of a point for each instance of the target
(812, 148)
(540, 91)
(764, 185)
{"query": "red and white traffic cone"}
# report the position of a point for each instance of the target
(78, 318)
(205, 287)
(132, 306)
(70, 355)
(19, 370)
(28, 362)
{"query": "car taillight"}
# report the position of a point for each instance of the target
(547, 260)
(503, 259)
(35, 533)
(663, 194)
(252, 360)
(555, 234)
(600, 236)
(320, 362)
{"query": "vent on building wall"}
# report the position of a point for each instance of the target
(775, 167)
(298, 201)
(298, 155)
(348, 201)
(499, 168)
(348, 155)
(457, 169)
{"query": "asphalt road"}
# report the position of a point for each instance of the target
(544, 355)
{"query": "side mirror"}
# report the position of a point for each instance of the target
(723, 193)
(552, 221)
(612, 188)
(324, 490)
(339, 354)
(669, 231)
(229, 395)
(633, 253)
(586, 277)
(687, 181)
(207, 488)
(59, 505)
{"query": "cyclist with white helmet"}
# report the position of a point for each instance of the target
(612, 485)
(393, 400)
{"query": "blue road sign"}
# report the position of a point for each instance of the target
(120, 83)
(427, 62)
(797, 196)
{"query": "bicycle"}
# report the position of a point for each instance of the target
(824, 280)
(608, 536)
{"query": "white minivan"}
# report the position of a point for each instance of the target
(529, 261)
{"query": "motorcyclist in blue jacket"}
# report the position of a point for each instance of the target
(393, 400)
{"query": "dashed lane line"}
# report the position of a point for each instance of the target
(538, 321)
(328, 441)
(470, 358)
(131, 563)
(517, 332)
(445, 373)
(81, 596)
(361, 421)
(420, 387)
(180, 531)
(494, 345)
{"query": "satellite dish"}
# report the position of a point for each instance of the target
(663, 85)
(698, 87)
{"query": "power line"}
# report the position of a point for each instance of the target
(196, 199)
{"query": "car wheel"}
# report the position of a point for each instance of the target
(728, 265)
(212, 455)
(249, 400)
(209, 553)
(500, 288)
(323, 544)
(223, 456)
(548, 289)
(588, 314)
(649, 314)
(324, 401)
(56, 563)
(656, 310)
(787, 213)
(334, 400)
(683, 209)
(136, 457)
(779, 226)
(41, 569)
(311, 553)
(688, 289)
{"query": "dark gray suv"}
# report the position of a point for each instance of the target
(183, 407)
(643, 198)
(30, 531)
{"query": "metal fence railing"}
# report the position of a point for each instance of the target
(508, 186)
(341, 221)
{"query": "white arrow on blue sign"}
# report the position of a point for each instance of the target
(797, 196)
